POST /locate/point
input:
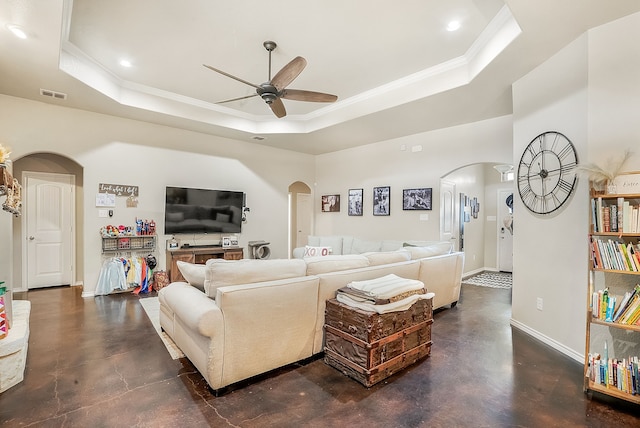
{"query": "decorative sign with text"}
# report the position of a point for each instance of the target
(627, 184)
(118, 189)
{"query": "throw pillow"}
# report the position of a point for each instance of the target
(316, 251)
(193, 273)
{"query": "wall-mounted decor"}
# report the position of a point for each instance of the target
(475, 207)
(330, 203)
(118, 189)
(416, 199)
(381, 198)
(355, 202)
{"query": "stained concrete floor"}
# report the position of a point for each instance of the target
(98, 362)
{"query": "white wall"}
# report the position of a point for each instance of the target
(395, 163)
(122, 151)
(590, 91)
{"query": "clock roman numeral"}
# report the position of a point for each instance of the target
(565, 185)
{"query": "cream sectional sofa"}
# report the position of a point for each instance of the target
(257, 315)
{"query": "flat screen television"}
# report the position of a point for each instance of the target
(189, 210)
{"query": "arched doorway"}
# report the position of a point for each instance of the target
(54, 172)
(300, 215)
(477, 217)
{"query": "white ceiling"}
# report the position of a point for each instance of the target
(394, 66)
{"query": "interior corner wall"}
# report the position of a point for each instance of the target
(415, 161)
(590, 91)
(123, 151)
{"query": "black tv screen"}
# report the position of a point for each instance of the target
(202, 211)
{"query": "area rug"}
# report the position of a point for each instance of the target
(151, 307)
(490, 279)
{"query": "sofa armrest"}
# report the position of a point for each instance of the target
(442, 275)
(193, 308)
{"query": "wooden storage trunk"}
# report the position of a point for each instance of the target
(370, 347)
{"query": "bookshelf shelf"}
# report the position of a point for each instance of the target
(611, 366)
(626, 272)
(615, 324)
(613, 392)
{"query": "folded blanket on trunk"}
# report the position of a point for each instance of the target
(401, 305)
(386, 287)
(361, 296)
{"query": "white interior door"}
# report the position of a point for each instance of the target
(303, 219)
(505, 230)
(448, 212)
(48, 235)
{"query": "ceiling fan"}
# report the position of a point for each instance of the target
(275, 89)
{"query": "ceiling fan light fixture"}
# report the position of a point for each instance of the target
(268, 97)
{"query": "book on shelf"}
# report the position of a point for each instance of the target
(613, 218)
(606, 219)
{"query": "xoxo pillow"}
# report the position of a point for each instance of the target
(316, 251)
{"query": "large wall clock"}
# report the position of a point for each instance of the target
(547, 172)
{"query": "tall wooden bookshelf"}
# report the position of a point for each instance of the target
(614, 267)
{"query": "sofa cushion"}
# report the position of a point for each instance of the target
(316, 251)
(221, 273)
(436, 249)
(360, 246)
(334, 263)
(193, 273)
(391, 245)
(386, 257)
(335, 242)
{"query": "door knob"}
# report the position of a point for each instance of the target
(31, 238)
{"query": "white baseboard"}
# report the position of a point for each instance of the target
(548, 341)
(477, 271)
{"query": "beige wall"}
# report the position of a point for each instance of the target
(397, 164)
(590, 91)
(121, 151)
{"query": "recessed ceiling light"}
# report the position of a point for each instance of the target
(453, 26)
(17, 31)
(125, 63)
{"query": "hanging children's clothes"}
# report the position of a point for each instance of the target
(124, 273)
(111, 277)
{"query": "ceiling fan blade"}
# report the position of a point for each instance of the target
(231, 76)
(300, 95)
(237, 99)
(277, 107)
(288, 73)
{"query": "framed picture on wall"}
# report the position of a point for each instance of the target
(355, 202)
(416, 199)
(330, 203)
(381, 200)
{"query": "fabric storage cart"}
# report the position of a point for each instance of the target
(370, 347)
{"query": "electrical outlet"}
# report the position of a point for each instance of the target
(539, 303)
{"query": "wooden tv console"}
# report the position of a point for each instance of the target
(199, 255)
